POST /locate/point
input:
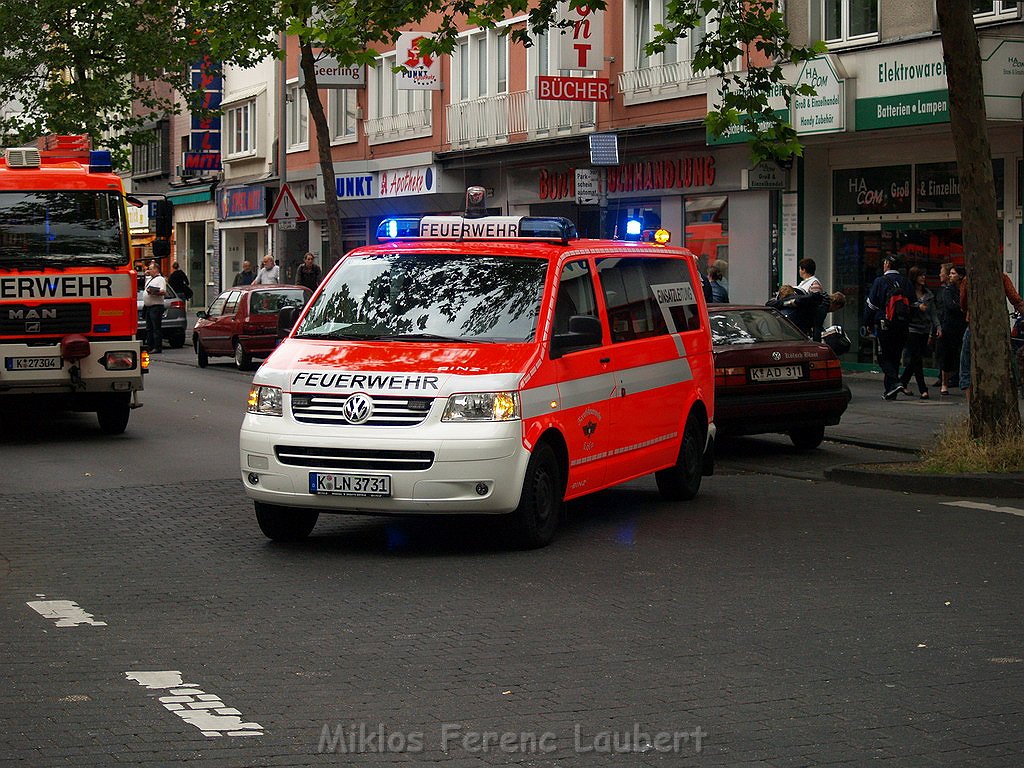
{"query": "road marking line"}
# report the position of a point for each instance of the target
(65, 612)
(203, 710)
(987, 507)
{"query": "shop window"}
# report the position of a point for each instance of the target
(849, 21)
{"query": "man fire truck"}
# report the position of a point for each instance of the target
(68, 314)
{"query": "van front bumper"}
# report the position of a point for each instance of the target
(471, 475)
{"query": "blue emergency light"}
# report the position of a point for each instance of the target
(633, 228)
(100, 161)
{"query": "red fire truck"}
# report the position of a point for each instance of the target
(68, 315)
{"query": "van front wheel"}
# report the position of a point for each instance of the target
(681, 481)
(540, 506)
(285, 523)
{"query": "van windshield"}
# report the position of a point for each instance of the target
(430, 297)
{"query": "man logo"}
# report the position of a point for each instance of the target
(358, 408)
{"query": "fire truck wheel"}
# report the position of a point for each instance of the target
(243, 360)
(540, 506)
(113, 413)
(285, 523)
(202, 359)
(681, 482)
(807, 438)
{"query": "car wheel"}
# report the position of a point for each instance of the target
(540, 506)
(176, 340)
(243, 360)
(807, 438)
(113, 413)
(681, 481)
(202, 359)
(285, 523)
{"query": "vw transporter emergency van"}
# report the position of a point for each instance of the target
(483, 364)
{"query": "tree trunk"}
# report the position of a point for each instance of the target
(993, 404)
(323, 148)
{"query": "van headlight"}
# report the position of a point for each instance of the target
(264, 400)
(482, 406)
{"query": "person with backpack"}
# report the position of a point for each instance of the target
(924, 325)
(888, 312)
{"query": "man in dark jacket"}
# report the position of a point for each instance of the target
(178, 280)
(891, 336)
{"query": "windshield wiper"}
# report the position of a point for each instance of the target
(335, 336)
(432, 337)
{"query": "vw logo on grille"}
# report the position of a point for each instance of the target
(358, 408)
(776, 355)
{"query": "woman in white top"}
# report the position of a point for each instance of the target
(808, 282)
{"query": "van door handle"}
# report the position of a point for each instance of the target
(604, 360)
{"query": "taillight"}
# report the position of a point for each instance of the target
(730, 377)
(826, 369)
(178, 304)
(145, 361)
(119, 360)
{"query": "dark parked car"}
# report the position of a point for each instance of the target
(243, 322)
(770, 377)
(174, 323)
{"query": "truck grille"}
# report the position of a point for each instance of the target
(387, 411)
(362, 459)
(45, 319)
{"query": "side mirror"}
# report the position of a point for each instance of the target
(202, 314)
(286, 320)
(584, 331)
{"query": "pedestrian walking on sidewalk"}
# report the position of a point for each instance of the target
(924, 324)
(891, 333)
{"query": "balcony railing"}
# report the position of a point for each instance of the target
(657, 77)
(493, 119)
(405, 125)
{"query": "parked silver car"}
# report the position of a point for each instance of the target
(174, 322)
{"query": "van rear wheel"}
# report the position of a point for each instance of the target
(681, 481)
(285, 523)
(540, 505)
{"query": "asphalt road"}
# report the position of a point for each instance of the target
(776, 620)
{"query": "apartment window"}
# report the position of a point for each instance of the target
(241, 129)
(298, 118)
(641, 18)
(995, 10)
(481, 64)
(343, 115)
(849, 20)
(388, 101)
(149, 152)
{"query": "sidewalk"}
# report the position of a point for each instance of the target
(904, 424)
(907, 424)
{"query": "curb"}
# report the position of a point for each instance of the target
(992, 486)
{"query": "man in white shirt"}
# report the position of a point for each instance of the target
(270, 273)
(153, 307)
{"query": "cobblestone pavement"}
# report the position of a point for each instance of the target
(773, 621)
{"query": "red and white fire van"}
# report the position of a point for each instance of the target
(483, 365)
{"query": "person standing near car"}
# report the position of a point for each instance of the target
(153, 306)
(309, 273)
(246, 276)
(269, 274)
(178, 280)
